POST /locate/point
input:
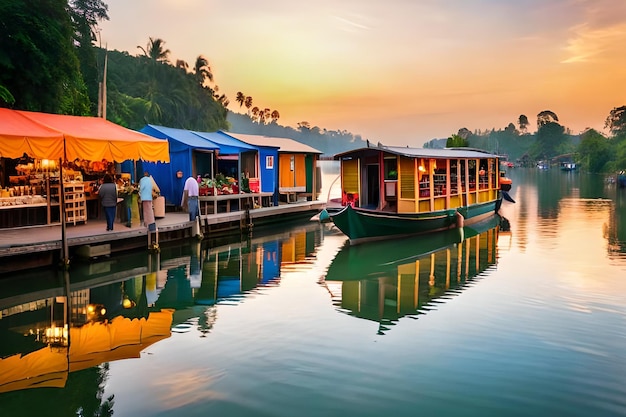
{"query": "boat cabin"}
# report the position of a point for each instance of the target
(414, 180)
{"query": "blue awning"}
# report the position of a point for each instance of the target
(227, 144)
(185, 138)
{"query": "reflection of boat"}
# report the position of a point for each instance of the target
(385, 281)
(356, 262)
(394, 191)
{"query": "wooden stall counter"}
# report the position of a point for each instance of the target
(212, 204)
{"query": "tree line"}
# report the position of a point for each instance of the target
(591, 150)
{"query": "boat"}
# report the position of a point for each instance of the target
(621, 179)
(568, 166)
(395, 191)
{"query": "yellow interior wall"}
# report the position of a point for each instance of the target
(350, 176)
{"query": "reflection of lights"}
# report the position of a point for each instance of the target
(128, 303)
(95, 312)
(56, 335)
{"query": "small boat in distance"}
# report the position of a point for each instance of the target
(621, 179)
(568, 166)
(394, 191)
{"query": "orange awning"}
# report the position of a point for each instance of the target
(19, 135)
(90, 138)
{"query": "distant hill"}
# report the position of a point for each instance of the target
(329, 142)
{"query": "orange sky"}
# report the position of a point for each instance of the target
(400, 72)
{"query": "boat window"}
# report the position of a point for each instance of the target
(391, 169)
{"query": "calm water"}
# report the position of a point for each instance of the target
(526, 322)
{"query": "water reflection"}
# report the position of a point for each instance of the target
(385, 281)
(58, 325)
(544, 199)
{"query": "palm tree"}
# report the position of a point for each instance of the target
(240, 98)
(248, 103)
(182, 64)
(255, 113)
(202, 70)
(155, 50)
(265, 115)
(275, 115)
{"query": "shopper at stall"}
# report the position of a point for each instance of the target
(147, 189)
(108, 199)
(189, 202)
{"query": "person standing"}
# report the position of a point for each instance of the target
(191, 193)
(108, 199)
(146, 188)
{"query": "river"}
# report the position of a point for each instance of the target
(521, 317)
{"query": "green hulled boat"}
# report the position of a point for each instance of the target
(389, 192)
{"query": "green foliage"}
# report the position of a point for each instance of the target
(456, 141)
(143, 90)
(594, 151)
(545, 117)
(85, 15)
(522, 121)
(550, 141)
(6, 96)
(616, 121)
(618, 162)
(38, 62)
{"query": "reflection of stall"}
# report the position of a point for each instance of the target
(87, 346)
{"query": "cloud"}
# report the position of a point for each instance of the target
(350, 24)
(588, 44)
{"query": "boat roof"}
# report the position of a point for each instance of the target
(442, 153)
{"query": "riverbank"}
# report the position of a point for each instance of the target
(40, 246)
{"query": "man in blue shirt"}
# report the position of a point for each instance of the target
(146, 187)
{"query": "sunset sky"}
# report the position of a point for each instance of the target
(400, 72)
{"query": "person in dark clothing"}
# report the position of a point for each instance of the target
(108, 199)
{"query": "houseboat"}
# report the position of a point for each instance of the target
(395, 191)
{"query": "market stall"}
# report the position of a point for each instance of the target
(46, 159)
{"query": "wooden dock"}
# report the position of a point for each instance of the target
(40, 246)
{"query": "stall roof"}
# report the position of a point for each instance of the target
(79, 137)
(20, 135)
(283, 144)
(183, 136)
(228, 144)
